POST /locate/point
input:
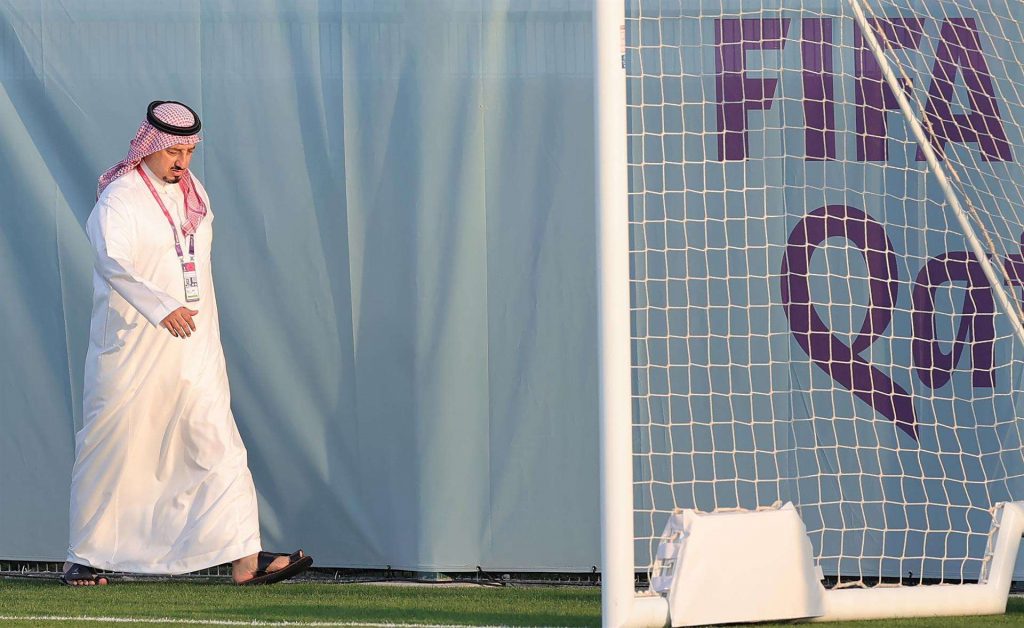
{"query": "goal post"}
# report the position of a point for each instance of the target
(618, 606)
(810, 226)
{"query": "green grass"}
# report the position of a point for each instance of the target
(312, 602)
(568, 606)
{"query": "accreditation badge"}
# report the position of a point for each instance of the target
(188, 270)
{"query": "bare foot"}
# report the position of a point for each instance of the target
(101, 580)
(245, 568)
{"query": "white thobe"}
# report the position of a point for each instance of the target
(161, 482)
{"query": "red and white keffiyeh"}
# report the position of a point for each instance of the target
(149, 140)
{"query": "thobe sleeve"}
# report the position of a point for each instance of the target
(111, 229)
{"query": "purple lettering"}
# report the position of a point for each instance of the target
(844, 363)
(1014, 267)
(874, 98)
(738, 94)
(819, 91)
(960, 50)
(977, 319)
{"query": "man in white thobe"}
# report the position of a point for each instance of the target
(160, 483)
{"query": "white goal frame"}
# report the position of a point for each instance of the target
(622, 605)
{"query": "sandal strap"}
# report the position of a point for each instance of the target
(264, 559)
(78, 571)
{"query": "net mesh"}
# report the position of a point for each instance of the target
(809, 321)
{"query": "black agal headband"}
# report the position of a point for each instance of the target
(170, 128)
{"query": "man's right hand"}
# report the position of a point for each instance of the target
(179, 322)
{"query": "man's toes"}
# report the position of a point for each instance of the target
(279, 563)
(101, 581)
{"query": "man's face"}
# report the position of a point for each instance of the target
(170, 163)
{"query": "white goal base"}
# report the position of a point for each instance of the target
(737, 566)
(743, 566)
(988, 597)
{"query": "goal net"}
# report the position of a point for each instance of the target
(812, 321)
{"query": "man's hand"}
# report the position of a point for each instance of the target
(179, 322)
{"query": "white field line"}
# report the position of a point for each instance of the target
(223, 622)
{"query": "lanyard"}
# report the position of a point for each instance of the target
(167, 215)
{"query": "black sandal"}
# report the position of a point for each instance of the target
(82, 572)
(297, 563)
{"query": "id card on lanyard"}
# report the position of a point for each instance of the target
(188, 268)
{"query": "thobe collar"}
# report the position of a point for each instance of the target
(170, 191)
